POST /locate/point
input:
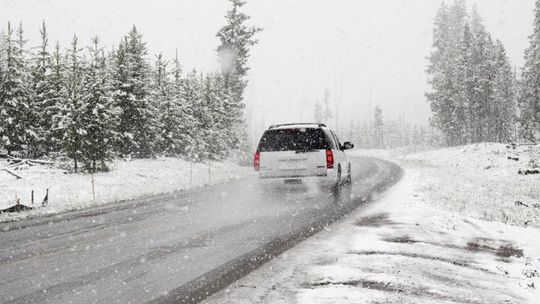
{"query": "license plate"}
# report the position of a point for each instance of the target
(293, 165)
(293, 182)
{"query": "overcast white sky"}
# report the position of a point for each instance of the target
(355, 48)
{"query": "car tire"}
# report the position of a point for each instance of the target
(337, 188)
(346, 194)
(349, 175)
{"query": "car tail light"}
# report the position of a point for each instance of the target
(257, 161)
(329, 159)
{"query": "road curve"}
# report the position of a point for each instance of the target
(174, 248)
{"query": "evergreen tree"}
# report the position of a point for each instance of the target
(483, 62)
(207, 116)
(54, 104)
(378, 124)
(236, 38)
(2, 60)
(131, 92)
(162, 96)
(440, 73)
(28, 111)
(182, 119)
(15, 95)
(327, 112)
(99, 117)
(529, 95)
(464, 76)
(73, 104)
(41, 72)
(504, 98)
(221, 103)
(191, 93)
(322, 112)
(318, 112)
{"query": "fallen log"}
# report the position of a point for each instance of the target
(41, 162)
(17, 160)
(12, 173)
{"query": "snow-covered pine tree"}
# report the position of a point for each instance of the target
(208, 117)
(162, 97)
(29, 110)
(131, 93)
(456, 104)
(41, 72)
(504, 97)
(221, 104)
(2, 62)
(483, 63)
(99, 117)
(327, 112)
(322, 112)
(236, 38)
(2, 40)
(70, 121)
(365, 138)
(529, 92)
(464, 78)
(351, 131)
(440, 76)
(378, 126)
(191, 94)
(3, 52)
(15, 95)
(318, 112)
(53, 102)
(182, 115)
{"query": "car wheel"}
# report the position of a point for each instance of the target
(347, 192)
(336, 189)
(349, 175)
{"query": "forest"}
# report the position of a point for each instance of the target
(91, 104)
(476, 94)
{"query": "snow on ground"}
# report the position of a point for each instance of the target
(480, 180)
(413, 245)
(483, 181)
(126, 180)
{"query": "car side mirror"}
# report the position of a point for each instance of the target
(347, 146)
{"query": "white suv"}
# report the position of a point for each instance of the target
(293, 152)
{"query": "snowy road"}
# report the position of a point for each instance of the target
(168, 249)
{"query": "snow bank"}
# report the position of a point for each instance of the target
(126, 180)
(482, 181)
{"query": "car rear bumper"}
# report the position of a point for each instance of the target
(327, 177)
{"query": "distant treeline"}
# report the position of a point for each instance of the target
(383, 133)
(93, 104)
(475, 93)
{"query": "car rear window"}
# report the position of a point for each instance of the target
(294, 140)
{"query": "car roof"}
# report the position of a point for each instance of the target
(298, 126)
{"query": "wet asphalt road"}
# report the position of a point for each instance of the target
(173, 248)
